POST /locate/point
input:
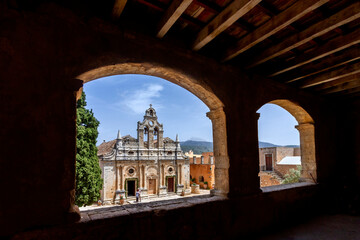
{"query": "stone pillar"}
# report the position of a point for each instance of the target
(218, 120)
(307, 145)
(143, 176)
(211, 160)
(180, 173)
(160, 138)
(121, 178)
(162, 176)
(141, 137)
(118, 186)
(151, 139)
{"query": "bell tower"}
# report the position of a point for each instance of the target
(149, 130)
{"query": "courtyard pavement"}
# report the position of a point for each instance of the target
(132, 200)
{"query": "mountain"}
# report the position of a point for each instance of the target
(266, 144)
(198, 147)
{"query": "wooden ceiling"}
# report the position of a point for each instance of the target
(307, 44)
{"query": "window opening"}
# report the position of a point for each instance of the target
(141, 177)
(282, 152)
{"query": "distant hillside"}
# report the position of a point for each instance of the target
(266, 144)
(198, 147)
(293, 146)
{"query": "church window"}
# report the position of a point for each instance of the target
(131, 153)
(169, 153)
(131, 170)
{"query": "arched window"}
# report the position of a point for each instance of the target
(286, 144)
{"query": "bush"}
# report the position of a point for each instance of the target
(293, 176)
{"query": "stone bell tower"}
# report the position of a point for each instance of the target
(151, 128)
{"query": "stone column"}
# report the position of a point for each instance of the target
(162, 175)
(160, 139)
(218, 120)
(121, 177)
(151, 138)
(141, 137)
(180, 173)
(307, 145)
(143, 176)
(118, 186)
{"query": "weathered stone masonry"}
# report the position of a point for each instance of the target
(155, 166)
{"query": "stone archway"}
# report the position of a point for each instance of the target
(199, 89)
(307, 137)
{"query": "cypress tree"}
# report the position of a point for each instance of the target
(88, 173)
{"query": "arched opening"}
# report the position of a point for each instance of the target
(216, 113)
(290, 161)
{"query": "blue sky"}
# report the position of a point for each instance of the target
(120, 101)
(277, 126)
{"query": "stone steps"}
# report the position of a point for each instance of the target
(276, 176)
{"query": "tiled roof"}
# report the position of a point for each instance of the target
(106, 147)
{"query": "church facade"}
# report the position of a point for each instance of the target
(150, 162)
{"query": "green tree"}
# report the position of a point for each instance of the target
(293, 176)
(88, 173)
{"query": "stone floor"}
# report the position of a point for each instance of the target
(327, 227)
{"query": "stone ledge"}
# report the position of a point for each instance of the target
(146, 208)
(286, 186)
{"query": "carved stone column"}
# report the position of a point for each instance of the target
(143, 176)
(151, 139)
(307, 144)
(218, 120)
(121, 178)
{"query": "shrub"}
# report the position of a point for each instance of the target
(293, 176)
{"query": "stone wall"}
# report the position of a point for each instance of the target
(45, 48)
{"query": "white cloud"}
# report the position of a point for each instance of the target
(138, 101)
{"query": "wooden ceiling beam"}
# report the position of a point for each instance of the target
(118, 8)
(333, 46)
(337, 82)
(215, 9)
(342, 87)
(341, 18)
(222, 21)
(332, 75)
(348, 55)
(277, 23)
(171, 15)
(352, 91)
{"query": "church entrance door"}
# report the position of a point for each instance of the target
(131, 187)
(170, 184)
(268, 159)
(152, 186)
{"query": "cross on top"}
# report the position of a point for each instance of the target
(150, 105)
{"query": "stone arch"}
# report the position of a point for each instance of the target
(203, 92)
(306, 130)
(199, 89)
